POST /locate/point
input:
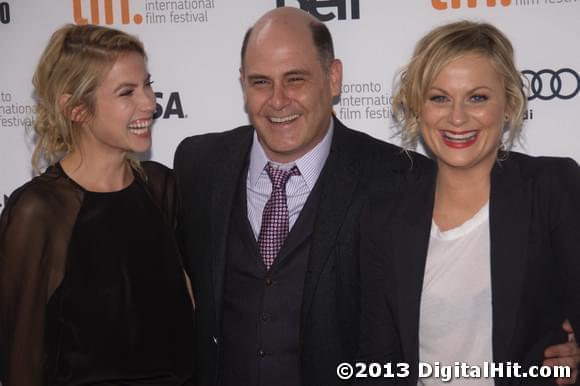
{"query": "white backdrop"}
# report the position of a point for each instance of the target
(194, 46)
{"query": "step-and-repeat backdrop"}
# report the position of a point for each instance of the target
(194, 47)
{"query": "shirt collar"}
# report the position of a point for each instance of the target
(310, 164)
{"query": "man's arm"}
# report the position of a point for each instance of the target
(565, 354)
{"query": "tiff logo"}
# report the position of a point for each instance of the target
(444, 4)
(104, 8)
(311, 6)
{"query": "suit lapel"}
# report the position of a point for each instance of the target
(339, 181)
(509, 216)
(229, 169)
(302, 229)
(410, 242)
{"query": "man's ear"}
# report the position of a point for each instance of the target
(77, 113)
(335, 77)
(243, 83)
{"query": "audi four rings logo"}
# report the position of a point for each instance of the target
(549, 84)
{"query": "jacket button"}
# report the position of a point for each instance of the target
(265, 317)
(261, 353)
(269, 282)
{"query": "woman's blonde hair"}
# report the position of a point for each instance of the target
(443, 45)
(73, 64)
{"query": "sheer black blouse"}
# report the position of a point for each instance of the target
(92, 289)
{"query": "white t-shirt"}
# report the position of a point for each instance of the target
(456, 316)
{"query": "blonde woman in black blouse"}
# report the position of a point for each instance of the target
(92, 290)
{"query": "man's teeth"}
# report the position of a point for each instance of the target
(283, 119)
(461, 137)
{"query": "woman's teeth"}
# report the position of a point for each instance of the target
(460, 137)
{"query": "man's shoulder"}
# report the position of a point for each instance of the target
(357, 138)
(206, 140)
(371, 149)
(205, 147)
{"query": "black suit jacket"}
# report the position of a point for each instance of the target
(208, 170)
(534, 216)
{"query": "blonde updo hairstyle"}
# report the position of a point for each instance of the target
(74, 63)
(438, 48)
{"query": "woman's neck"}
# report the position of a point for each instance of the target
(459, 195)
(98, 173)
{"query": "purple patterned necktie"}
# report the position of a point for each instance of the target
(275, 225)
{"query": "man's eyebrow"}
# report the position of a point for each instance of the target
(257, 76)
(289, 73)
(297, 72)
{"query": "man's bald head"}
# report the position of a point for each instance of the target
(292, 19)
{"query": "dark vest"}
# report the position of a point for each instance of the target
(260, 334)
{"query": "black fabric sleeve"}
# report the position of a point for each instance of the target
(565, 233)
(161, 182)
(35, 230)
(379, 338)
(24, 280)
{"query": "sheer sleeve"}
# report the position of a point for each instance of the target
(161, 182)
(35, 230)
(23, 289)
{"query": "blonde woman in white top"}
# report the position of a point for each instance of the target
(479, 262)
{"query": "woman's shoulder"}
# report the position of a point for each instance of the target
(155, 167)
(44, 193)
(156, 172)
(160, 181)
(544, 166)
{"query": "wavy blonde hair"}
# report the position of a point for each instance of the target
(441, 46)
(74, 63)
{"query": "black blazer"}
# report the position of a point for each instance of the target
(208, 170)
(534, 216)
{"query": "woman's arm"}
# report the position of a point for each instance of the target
(23, 290)
(565, 234)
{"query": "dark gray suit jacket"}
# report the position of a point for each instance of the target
(534, 216)
(208, 170)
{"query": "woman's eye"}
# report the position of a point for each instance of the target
(479, 98)
(438, 98)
